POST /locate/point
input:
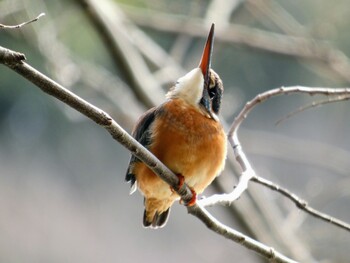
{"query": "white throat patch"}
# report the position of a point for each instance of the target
(189, 87)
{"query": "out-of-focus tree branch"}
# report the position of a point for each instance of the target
(296, 46)
(15, 61)
(122, 49)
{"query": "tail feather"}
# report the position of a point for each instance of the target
(158, 221)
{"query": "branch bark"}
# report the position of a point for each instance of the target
(245, 164)
(15, 61)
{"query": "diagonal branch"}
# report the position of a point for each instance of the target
(166, 68)
(302, 204)
(15, 61)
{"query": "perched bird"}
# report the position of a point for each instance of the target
(185, 134)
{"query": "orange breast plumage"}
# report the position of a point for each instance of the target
(190, 144)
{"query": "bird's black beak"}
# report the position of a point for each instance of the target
(204, 65)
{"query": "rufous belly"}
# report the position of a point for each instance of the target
(188, 143)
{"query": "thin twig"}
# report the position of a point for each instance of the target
(302, 204)
(249, 174)
(170, 69)
(283, 91)
(314, 104)
(2, 26)
(16, 63)
(240, 155)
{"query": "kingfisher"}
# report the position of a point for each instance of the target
(186, 135)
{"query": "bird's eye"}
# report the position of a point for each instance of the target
(212, 92)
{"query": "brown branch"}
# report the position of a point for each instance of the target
(2, 26)
(15, 61)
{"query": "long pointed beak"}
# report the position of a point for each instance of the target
(204, 65)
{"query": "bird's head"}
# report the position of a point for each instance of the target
(201, 87)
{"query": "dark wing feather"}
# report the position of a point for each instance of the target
(142, 134)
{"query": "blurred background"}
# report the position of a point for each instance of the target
(62, 192)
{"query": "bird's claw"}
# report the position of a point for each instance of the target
(181, 183)
(193, 199)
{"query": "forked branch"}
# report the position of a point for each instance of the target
(15, 61)
(249, 174)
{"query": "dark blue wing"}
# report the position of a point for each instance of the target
(142, 134)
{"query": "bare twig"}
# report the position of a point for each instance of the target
(239, 153)
(15, 61)
(314, 104)
(249, 174)
(281, 91)
(213, 224)
(169, 70)
(2, 26)
(301, 204)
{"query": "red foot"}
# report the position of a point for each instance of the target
(193, 199)
(181, 182)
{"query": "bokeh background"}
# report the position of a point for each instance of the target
(62, 192)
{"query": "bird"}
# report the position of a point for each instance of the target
(185, 134)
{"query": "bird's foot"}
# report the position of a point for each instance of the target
(181, 183)
(193, 199)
